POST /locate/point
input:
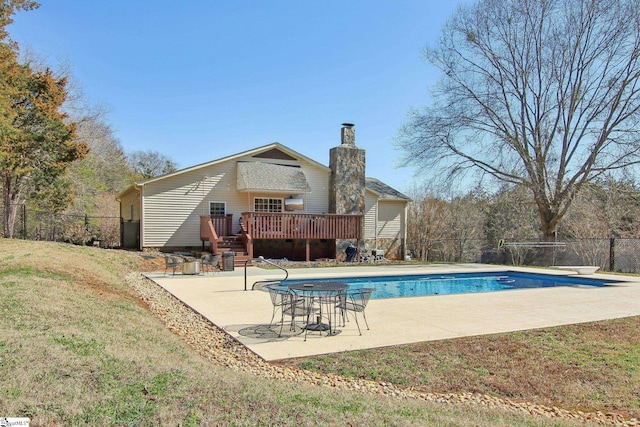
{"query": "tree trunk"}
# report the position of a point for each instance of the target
(549, 252)
(549, 235)
(6, 201)
(10, 208)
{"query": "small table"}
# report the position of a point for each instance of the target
(326, 293)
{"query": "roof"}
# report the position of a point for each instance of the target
(383, 191)
(255, 174)
(254, 152)
(126, 191)
(261, 176)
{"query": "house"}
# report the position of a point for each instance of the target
(270, 201)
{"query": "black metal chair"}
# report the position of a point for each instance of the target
(210, 262)
(279, 298)
(355, 302)
(288, 304)
(171, 262)
(298, 306)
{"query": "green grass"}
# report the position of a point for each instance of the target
(77, 347)
(592, 367)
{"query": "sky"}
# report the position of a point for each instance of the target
(202, 79)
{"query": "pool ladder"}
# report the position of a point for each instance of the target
(263, 282)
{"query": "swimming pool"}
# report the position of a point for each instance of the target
(457, 283)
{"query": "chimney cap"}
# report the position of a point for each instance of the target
(348, 125)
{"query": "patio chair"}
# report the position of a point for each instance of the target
(294, 306)
(172, 262)
(288, 304)
(210, 262)
(355, 302)
(279, 297)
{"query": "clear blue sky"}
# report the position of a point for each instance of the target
(199, 80)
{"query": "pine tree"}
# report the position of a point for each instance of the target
(37, 141)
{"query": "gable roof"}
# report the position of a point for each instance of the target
(277, 151)
(383, 191)
(266, 151)
(253, 175)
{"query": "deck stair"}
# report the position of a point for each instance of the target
(233, 244)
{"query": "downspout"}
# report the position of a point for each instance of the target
(307, 240)
(141, 216)
(249, 205)
(375, 225)
(203, 182)
(404, 229)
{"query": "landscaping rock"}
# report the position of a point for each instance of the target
(220, 348)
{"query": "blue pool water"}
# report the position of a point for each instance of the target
(457, 283)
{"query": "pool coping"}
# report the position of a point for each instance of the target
(221, 299)
(371, 281)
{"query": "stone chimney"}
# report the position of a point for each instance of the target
(348, 134)
(347, 180)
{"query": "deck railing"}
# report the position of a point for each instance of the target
(223, 224)
(212, 227)
(285, 225)
(208, 233)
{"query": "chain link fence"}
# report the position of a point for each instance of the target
(610, 254)
(103, 231)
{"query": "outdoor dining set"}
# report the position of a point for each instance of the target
(319, 306)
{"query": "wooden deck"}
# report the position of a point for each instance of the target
(283, 225)
(261, 225)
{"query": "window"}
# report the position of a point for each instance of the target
(263, 204)
(217, 208)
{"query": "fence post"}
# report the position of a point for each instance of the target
(612, 254)
(24, 221)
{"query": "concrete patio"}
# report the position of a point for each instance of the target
(221, 298)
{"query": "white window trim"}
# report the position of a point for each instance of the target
(269, 198)
(220, 202)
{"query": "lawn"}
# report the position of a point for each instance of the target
(589, 367)
(79, 346)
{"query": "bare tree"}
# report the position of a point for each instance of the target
(539, 93)
(587, 224)
(149, 164)
(426, 223)
(465, 224)
(105, 168)
(511, 217)
(607, 208)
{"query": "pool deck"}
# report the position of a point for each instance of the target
(221, 298)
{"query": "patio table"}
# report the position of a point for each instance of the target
(324, 294)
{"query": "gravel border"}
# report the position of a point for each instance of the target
(219, 347)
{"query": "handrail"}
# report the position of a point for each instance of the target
(246, 240)
(534, 244)
(208, 232)
(261, 259)
(265, 282)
